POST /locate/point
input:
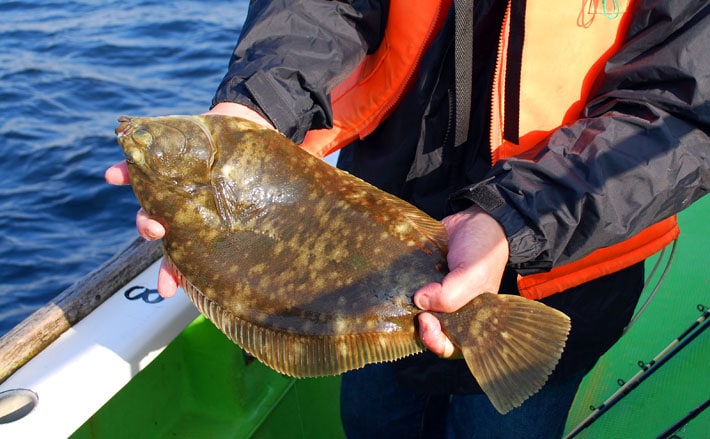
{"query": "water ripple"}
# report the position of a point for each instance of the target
(67, 71)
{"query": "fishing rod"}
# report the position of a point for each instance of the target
(647, 370)
(684, 420)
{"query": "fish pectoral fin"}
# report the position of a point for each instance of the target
(511, 344)
(225, 202)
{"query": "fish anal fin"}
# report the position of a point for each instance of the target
(510, 344)
(303, 355)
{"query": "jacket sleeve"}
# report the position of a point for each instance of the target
(640, 154)
(291, 54)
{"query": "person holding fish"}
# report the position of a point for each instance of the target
(555, 145)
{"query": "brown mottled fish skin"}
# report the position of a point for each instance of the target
(311, 269)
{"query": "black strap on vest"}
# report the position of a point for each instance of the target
(463, 51)
(511, 127)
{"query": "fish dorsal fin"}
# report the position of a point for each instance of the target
(426, 227)
(299, 355)
(403, 219)
(511, 344)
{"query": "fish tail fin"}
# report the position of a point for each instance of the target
(511, 344)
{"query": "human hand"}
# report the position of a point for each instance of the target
(478, 254)
(151, 229)
(239, 110)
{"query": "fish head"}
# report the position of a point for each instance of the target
(191, 169)
(170, 161)
(174, 150)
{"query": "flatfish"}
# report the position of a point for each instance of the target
(310, 269)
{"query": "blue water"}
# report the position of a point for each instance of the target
(68, 69)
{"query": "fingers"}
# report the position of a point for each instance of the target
(432, 297)
(149, 228)
(167, 281)
(117, 174)
(152, 230)
(433, 338)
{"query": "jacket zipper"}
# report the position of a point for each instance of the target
(498, 94)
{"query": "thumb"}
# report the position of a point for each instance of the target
(426, 297)
(448, 296)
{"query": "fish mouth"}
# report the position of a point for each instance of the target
(133, 148)
(124, 127)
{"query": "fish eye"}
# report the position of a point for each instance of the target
(134, 155)
(143, 138)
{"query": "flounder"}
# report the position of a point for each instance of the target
(310, 269)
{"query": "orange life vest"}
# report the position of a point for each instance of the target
(553, 91)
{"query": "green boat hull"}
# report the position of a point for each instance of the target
(202, 385)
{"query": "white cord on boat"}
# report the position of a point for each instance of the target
(658, 284)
